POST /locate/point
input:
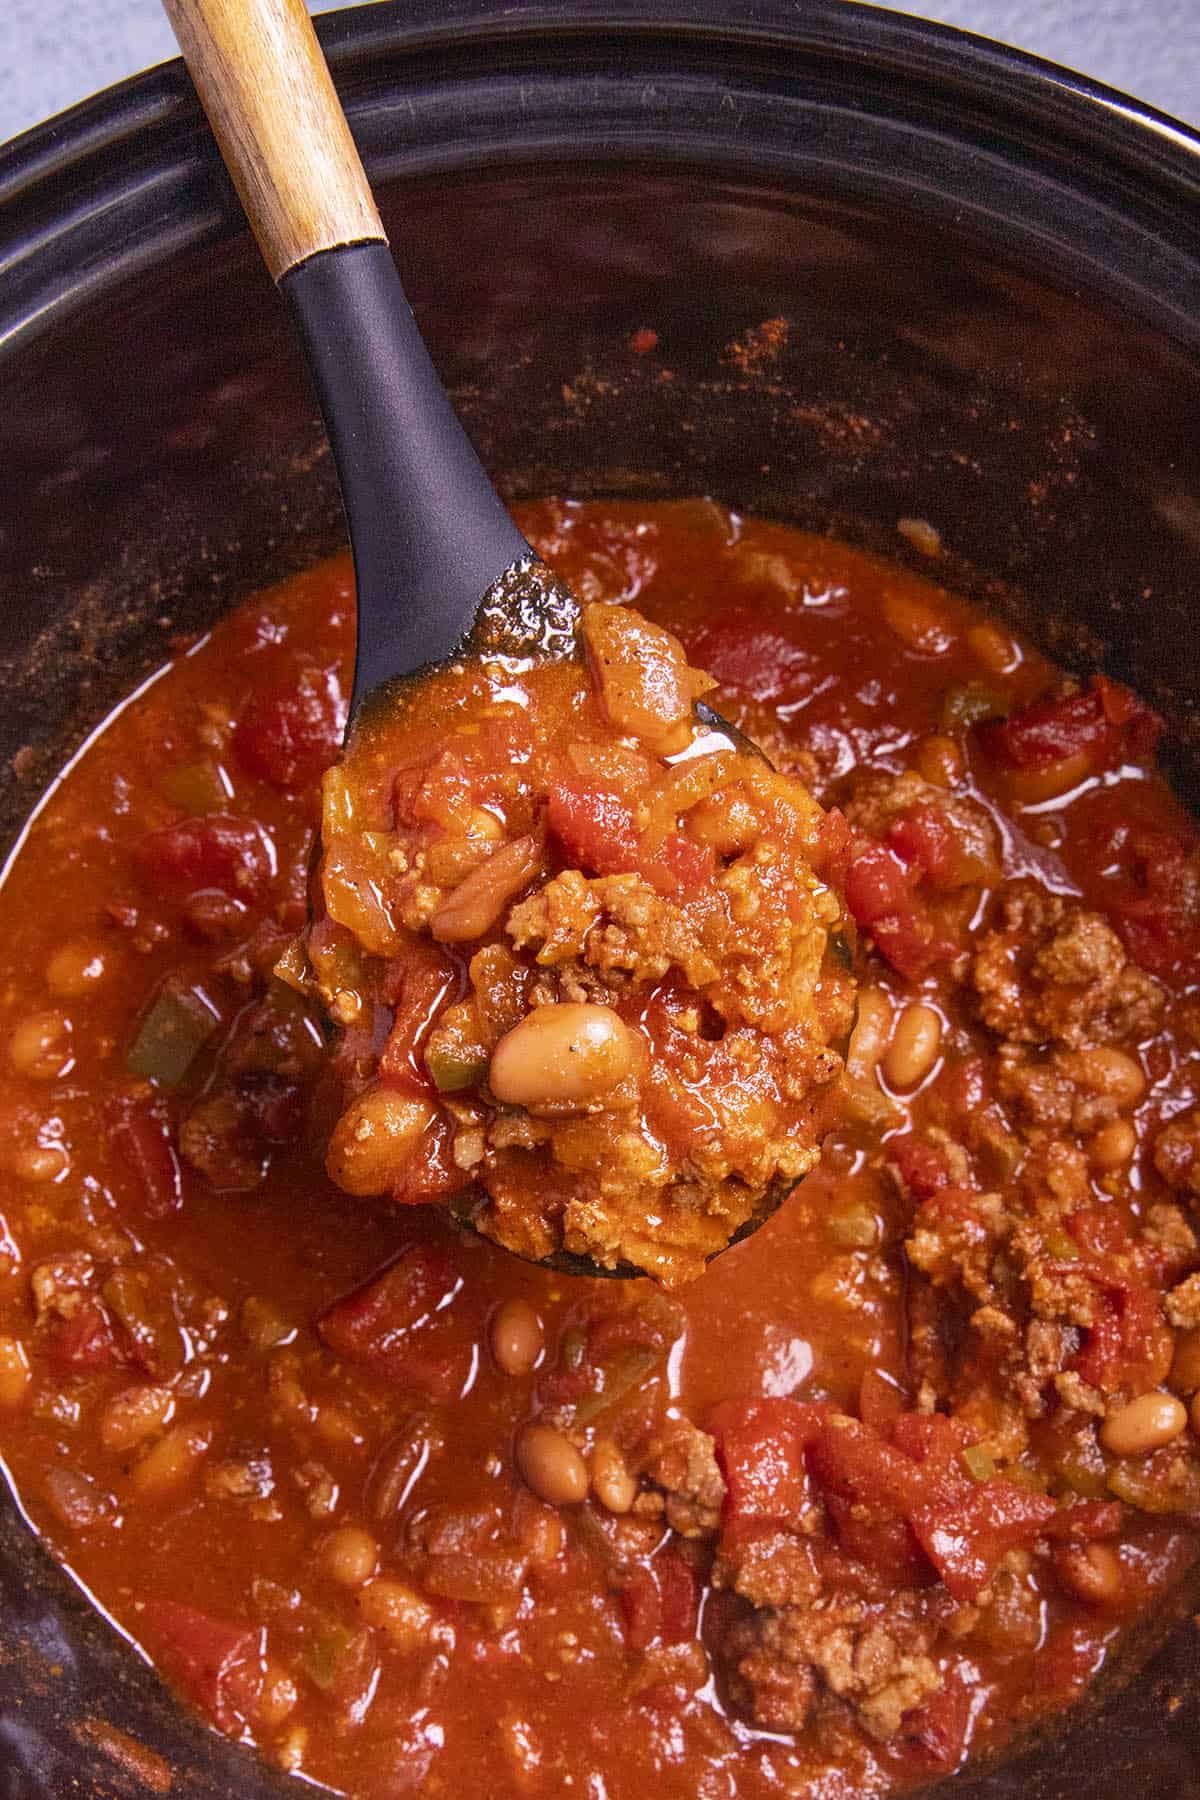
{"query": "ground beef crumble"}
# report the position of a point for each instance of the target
(1051, 972)
(1061, 1092)
(876, 1658)
(681, 1462)
(1177, 1153)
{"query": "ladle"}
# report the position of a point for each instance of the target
(435, 550)
(440, 566)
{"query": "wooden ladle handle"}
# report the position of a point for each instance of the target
(265, 86)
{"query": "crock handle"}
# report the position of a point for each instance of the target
(265, 86)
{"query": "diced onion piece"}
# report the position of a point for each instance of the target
(354, 884)
(682, 788)
(337, 804)
(477, 903)
(294, 968)
(14, 1371)
(644, 679)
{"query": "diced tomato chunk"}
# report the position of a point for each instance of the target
(1047, 732)
(1129, 1345)
(405, 1324)
(869, 1490)
(930, 1438)
(880, 898)
(218, 851)
(1158, 937)
(760, 1447)
(967, 1529)
(1099, 1231)
(964, 1527)
(1085, 1520)
(597, 830)
(1141, 725)
(1103, 722)
(1156, 905)
(851, 1460)
(290, 735)
(912, 944)
(880, 1399)
(927, 838)
(218, 1665)
(640, 1606)
(418, 987)
(966, 1088)
(1069, 1658)
(679, 1597)
(922, 1168)
(679, 865)
(933, 1737)
(660, 1601)
(832, 848)
(431, 1173)
(143, 1139)
(83, 1341)
(878, 884)
(740, 651)
(887, 1546)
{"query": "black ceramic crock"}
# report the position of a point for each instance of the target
(990, 273)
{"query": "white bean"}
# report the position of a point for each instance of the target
(916, 1043)
(1143, 1424)
(564, 1054)
(373, 1141)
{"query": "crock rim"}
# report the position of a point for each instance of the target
(161, 97)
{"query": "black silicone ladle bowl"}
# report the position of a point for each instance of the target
(440, 566)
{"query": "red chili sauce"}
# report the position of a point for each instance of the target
(408, 1514)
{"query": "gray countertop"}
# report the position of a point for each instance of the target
(54, 52)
